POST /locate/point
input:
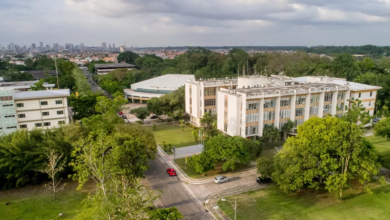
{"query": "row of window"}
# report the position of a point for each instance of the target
(269, 103)
(210, 91)
(285, 101)
(8, 105)
(269, 116)
(21, 105)
(252, 105)
(61, 112)
(251, 130)
(6, 98)
(209, 102)
(252, 118)
(11, 127)
(45, 124)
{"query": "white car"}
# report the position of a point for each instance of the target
(221, 179)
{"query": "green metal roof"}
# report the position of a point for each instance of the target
(153, 91)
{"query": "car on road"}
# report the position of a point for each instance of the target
(124, 117)
(153, 116)
(221, 179)
(171, 172)
(120, 113)
(263, 180)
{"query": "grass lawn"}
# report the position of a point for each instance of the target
(35, 202)
(268, 153)
(272, 203)
(173, 134)
(217, 171)
(380, 143)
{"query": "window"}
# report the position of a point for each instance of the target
(226, 102)
(9, 116)
(285, 113)
(190, 110)
(369, 103)
(328, 97)
(190, 90)
(210, 91)
(22, 126)
(252, 105)
(300, 100)
(269, 103)
(299, 111)
(314, 110)
(299, 121)
(12, 127)
(285, 101)
(340, 106)
(339, 115)
(190, 101)
(370, 94)
(9, 105)
(225, 127)
(58, 102)
(38, 125)
(252, 118)
(46, 124)
(314, 98)
(327, 108)
(340, 95)
(61, 122)
(209, 102)
(251, 130)
(19, 105)
(360, 95)
(269, 116)
(44, 103)
(45, 113)
(21, 115)
(6, 98)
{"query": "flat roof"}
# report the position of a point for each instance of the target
(42, 94)
(353, 86)
(168, 82)
(114, 65)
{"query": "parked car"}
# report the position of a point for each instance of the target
(376, 119)
(120, 113)
(153, 116)
(124, 117)
(171, 172)
(263, 180)
(221, 179)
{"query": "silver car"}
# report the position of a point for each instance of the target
(221, 179)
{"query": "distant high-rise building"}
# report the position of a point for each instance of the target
(104, 46)
(122, 49)
(33, 46)
(109, 47)
(113, 46)
(40, 45)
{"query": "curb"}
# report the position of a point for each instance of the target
(185, 178)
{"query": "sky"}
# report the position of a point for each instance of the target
(149, 23)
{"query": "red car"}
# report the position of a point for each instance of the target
(120, 113)
(171, 172)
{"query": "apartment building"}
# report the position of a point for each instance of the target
(258, 100)
(201, 96)
(33, 109)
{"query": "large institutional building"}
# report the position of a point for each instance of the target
(32, 109)
(244, 105)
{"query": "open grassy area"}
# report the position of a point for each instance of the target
(35, 202)
(272, 203)
(217, 171)
(173, 134)
(380, 143)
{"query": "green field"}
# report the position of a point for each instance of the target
(271, 203)
(173, 134)
(190, 171)
(35, 202)
(380, 143)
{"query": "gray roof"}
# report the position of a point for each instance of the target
(40, 74)
(114, 65)
(168, 82)
(42, 94)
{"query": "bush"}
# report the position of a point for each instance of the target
(139, 122)
(167, 147)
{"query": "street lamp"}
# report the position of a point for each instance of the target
(234, 206)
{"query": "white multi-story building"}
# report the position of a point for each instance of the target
(245, 107)
(33, 109)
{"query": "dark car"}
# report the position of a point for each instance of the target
(263, 180)
(171, 172)
(124, 117)
(153, 116)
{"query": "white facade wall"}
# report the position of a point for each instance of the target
(234, 110)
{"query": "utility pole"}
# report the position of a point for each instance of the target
(55, 62)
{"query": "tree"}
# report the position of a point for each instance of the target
(154, 106)
(202, 163)
(166, 214)
(271, 135)
(84, 105)
(53, 167)
(38, 86)
(127, 57)
(356, 113)
(265, 166)
(382, 128)
(182, 124)
(287, 128)
(140, 113)
(210, 124)
(195, 133)
(344, 66)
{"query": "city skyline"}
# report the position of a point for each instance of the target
(155, 23)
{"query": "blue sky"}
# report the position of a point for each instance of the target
(196, 22)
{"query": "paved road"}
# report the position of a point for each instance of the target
(94, 86)
(174, 192)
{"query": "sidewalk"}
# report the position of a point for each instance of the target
(212, 201)
(185, 178)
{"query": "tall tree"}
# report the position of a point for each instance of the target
(127, 57)
(54, 165)
(141, 112)
(344, 66)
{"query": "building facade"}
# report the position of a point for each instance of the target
(33, 109)
(257, 101)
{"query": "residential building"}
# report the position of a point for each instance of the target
(23, 85)
(259, 100)
(102, 69)
(156, 87)
(33, 109)
(201, 96)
